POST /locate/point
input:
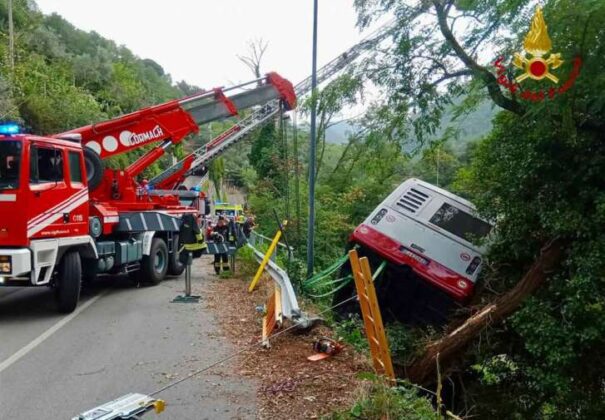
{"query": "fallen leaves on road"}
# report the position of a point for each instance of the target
(290, 386)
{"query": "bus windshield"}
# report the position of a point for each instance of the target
(460, 223)
(10, 158)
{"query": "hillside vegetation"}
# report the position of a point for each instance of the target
(537, 170)
(64, 77)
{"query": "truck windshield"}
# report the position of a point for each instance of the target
(460, 223)
(10, 158)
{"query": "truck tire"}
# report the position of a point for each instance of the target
(155, 265)
(175, 266)
(94, 168)
(68, 282)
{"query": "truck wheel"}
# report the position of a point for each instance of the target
(155, 265)
(175, 266)
(94, 168)
(68, 282)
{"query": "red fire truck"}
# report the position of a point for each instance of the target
(64, 216)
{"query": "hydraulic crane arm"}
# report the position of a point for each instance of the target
(174, 120)
(172, 176)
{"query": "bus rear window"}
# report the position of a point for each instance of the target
(460, 223)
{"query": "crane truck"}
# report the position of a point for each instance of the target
(64, 216)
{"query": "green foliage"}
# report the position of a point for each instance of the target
(216, 174)
(538, 174)
(350, 331)
(384, 402)
(405, 342)
(50, 103)
(264, 154)
(438, 165)
(343, 91)
(65, 78)
(496, 369)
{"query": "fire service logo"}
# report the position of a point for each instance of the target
(537, 62)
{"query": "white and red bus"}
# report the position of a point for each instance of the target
(433, 241)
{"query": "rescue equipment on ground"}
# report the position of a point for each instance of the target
(325, 347)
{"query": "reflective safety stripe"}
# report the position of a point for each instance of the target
(195, 247)
(200, 244)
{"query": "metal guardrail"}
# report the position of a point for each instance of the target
(289, 303)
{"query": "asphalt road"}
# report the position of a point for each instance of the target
(121, 339)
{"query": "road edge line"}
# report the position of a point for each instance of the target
(46, 334)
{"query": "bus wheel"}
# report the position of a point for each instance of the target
(68, 282)
(155, 265)
(175, 266)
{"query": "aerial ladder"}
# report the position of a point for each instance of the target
(196, 161)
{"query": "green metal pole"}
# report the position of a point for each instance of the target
(312, 152)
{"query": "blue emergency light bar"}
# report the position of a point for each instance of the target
(9, 128)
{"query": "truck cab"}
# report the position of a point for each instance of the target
(43, 208)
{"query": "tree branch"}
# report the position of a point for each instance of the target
(447, 76)
(490, 80)
(448, 347)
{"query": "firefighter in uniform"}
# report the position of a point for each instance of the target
(248, 226)
(221, 234)
(191, 239)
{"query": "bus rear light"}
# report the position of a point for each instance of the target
(472, 267)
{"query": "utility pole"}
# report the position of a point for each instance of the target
(311, 227)
(11, 37)
(297, 174)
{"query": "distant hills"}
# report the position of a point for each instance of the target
(339, 133)
(468, 127)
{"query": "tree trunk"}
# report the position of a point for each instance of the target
(422, 369)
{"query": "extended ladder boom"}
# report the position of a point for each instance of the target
(176, 119)
(174, 175)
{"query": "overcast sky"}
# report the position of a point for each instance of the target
(198, 40)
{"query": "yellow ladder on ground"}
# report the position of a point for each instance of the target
(372, 319)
